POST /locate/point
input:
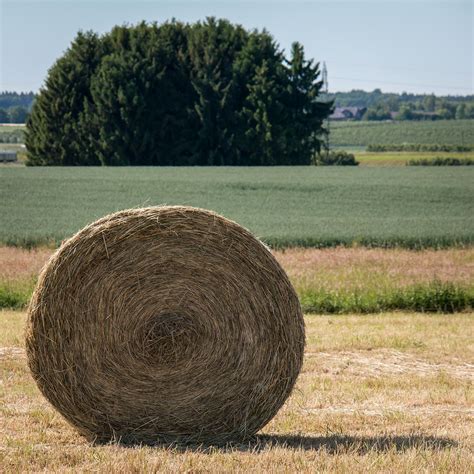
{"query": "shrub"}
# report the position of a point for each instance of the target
(431, 297)
(441, 161)
(420, 147)
(335, 158)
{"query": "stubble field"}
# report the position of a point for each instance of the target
(390, 392)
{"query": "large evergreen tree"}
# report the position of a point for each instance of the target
(53, 134)
(210, 93)
(306, 113)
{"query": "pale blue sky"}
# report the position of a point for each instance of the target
(404, 45)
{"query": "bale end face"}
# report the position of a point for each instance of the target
(165, 324)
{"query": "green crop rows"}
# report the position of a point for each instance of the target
(454, 132)
(308, 206)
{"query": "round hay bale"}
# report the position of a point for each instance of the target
(165, 324)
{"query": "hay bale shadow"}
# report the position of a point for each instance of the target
(360, 444)
(333, 444)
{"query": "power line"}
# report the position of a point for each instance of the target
(407, 69)
(400, 83)
(326, 91)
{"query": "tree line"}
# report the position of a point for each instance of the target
(15, 106)
(387, 105)
(208, 93)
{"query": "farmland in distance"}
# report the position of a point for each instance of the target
(297, 206)
(440, 132)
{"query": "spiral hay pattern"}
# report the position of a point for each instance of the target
(165, 324)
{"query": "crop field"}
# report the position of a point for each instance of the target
(11, 134)
(390, 392)
(442, 132)
(401, 158)
(297, 206)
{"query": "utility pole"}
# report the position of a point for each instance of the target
(326, 92)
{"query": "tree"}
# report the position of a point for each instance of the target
(305, 113)
(4, 117)
(405, 113)
(210, 93)
(379, 112)
(429, 103)
(461, 111)
(57, 131)
(259, 110)
(17, 114)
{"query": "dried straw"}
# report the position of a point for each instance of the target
(165, 324)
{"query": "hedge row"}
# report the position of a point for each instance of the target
(420, 147)
(441, 161)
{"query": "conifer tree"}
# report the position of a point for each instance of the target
(210, 93)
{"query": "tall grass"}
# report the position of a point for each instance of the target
(16, 294)
(434, 296)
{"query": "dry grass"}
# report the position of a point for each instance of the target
(389, 392)
(17, 263)
(347, 268)
(339, 266)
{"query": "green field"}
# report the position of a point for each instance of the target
(12, 134)
(454, 132)
(387, 158)
(307, 206)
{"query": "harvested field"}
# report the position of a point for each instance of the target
(390, 392)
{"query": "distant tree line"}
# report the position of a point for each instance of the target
(209, 93)
(421, 147)
(14, 106)
(404, 106)
(10, 99)
(17, 114)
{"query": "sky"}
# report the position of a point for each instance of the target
(418, 46)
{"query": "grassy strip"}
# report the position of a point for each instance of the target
(434, 296)
(282, 243)
(406, 147)
(16, 294)
(441, 161)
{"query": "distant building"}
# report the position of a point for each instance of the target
(348, 113)
(7, 155)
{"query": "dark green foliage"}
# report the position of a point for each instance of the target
(335, 158)
(409, 106)
(16, 99)
(60, 128)
(441, 161)
(4, 117)
(11, 134)
(205, 94)
(378, 112)
(17, 114)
